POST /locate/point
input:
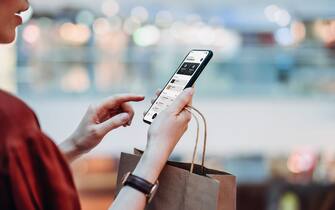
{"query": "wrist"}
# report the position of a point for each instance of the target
(160, 146)
(70, 149)
(150, 165)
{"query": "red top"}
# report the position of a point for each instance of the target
(33, 173)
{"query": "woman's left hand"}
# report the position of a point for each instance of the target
(97, 122)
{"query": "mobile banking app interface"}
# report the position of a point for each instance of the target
(177, 83)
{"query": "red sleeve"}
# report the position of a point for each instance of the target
(39, 177)
(33, 172)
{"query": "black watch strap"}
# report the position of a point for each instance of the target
(138, 183)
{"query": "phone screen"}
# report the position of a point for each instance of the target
(194, 61)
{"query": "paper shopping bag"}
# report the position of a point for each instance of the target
(204, 189)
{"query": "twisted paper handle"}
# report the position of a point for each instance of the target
(192, 110)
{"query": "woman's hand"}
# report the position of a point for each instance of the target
(163, 135)
(169, 126)
(97, 122)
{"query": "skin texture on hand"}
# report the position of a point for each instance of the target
(97, 122)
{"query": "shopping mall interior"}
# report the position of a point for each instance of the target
(268, 94)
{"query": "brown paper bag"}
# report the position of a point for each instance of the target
(187, 186)
(181, 190)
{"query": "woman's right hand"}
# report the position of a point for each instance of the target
(163, 135)
(169, 126)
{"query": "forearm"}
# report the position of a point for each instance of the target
(129, 198)
(148, 168)
(151, 164)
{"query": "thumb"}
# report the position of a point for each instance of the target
(182, 100)
(114, 122)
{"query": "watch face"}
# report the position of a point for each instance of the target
(153, 192)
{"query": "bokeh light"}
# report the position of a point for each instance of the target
(131, 24)
(76, 34)
(147, 35)
(284, 37)
(110, 8)
(31, 33)
(277, 15)
(101, 26)
(140, 13)
(302, 160)
(85, 17)
(76, 80)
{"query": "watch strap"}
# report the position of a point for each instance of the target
(138, 183)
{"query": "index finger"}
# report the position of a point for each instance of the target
(120, 99)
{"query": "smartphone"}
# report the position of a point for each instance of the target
(184, 77)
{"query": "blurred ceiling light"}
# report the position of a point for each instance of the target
(101, 26)
(31, 33)
(110, 8)
(277, 15)
(147, 35)
(164, 19)
(130, 25)
(282, 18)
(85, 17)
(76, 80)
(227, 41)
(140, 13)
(284, 37)
(270, 11)
(77, 34)
(298, 31)
(26, 15)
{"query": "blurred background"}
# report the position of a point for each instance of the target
(268, 94)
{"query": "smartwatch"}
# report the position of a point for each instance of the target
(140, 184)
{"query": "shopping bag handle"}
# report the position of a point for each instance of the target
(191, 109)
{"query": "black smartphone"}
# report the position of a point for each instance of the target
(185, 76)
